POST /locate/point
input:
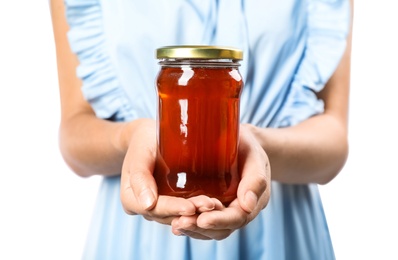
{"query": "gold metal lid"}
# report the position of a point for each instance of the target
(198, 52)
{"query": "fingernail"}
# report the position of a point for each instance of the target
(250, 200)
(146, 198)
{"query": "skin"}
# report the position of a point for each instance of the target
(315, 150)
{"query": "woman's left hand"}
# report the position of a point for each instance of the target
(252, 196)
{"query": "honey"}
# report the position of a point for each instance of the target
(198, 125)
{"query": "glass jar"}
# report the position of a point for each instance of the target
(199, 90)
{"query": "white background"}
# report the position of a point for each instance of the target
(45, 209)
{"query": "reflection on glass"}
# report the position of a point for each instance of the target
(184, 116)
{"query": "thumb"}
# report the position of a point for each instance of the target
(140, 163)
(254, 188)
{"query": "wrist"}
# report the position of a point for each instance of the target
(274, 142)
(259, 134)
(126, 130)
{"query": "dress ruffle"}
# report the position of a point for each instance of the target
(327, 28)
(101, 87)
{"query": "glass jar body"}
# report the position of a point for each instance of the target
(198, 128)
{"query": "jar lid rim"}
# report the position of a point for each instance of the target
(198, 52)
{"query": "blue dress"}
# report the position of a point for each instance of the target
(291, 48)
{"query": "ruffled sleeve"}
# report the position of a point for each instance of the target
(327, 28)
(101, 87)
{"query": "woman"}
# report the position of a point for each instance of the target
(293, 112)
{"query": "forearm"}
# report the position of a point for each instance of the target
(313, 151)
(94, 146)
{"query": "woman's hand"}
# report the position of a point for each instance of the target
(198, 217)
(138, 187)
(252, 196)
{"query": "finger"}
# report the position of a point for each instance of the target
(172, 206)
(205, 234)
(166, 209)
(218, 204)
(165, 214)
(166, 206)
(204, 203)
(193, 235)
(144, 189)
(181, 232)
(231, 218)
(187, 226)
(136, 192)
(254, 187)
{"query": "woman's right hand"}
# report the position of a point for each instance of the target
(138, 187)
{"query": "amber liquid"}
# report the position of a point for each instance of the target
(198, 132)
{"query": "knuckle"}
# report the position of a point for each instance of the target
(262, 179)
(128, 211)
